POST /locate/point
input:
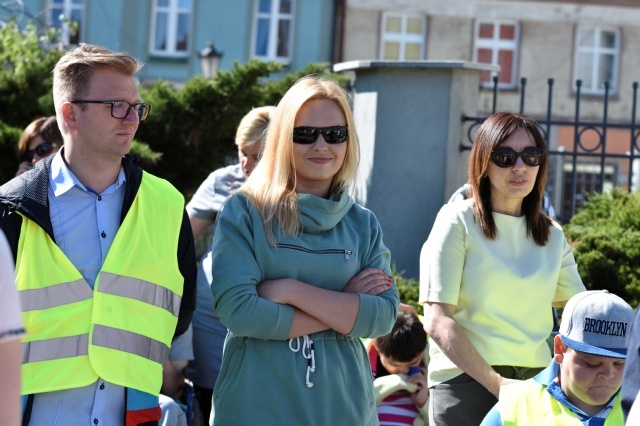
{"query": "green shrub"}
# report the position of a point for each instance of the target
(409, 289)
(605, 236)
(8, 151)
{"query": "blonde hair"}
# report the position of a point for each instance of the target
(253, 126)
(73, 71)
(271, 187)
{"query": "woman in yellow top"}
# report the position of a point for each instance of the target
(490, 271)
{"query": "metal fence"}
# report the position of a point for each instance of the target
(586, 167)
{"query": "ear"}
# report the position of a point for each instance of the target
(68, 111)
(559, 348)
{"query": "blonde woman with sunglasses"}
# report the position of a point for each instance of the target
(300, 274)
(490, 272)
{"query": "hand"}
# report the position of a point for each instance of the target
(274, 290)
(369, 281)
(408, 308)
(420, 396)
(25, 166)
(506, 382)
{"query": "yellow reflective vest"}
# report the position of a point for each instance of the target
(121, 330)
(529, 403)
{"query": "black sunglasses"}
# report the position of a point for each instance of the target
(506, 157)
(121, 109)
(308, 135)
(42, 150)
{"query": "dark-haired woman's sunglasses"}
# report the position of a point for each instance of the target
(308, 135)
(506, 157)
(42, 150)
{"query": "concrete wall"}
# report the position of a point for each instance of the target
(408, 120)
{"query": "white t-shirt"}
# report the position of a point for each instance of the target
(503, 289)
(10, 313)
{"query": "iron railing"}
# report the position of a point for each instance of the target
(580, 148)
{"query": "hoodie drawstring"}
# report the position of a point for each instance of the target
(308, 352)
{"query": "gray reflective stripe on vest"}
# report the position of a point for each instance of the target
(127, 341)
(55, 295)
(143, 291)
(61, 347)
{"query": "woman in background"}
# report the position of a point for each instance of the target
(208, 332)
(300, 274)
(490, 271)
(40, 139)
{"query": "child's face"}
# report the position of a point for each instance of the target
(589, 381)
(396, 367)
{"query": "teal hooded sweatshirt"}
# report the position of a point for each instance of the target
(265, 377)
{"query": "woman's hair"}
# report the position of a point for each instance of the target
(253, 126)
(47, 127)
(495, 130)
(72, 73)
(271, 187)
(406, 341)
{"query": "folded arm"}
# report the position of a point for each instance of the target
(319, 309)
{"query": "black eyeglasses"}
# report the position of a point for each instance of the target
(42, 150)
(121, 109)
(506, 157)
(308, 135)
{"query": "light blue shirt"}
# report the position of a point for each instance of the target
(84, 226)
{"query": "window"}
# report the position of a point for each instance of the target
(596, 61)
(587, 182)
(403, 37)
(67, 16)
(171, 28)
(272, 30)
(496, 43)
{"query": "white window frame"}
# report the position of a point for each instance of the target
(67, 7)
(596, 51)
(495, 44)
(274, 17)
(402, 37)
(173, 11)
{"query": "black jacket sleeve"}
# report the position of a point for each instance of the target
(188, 269)
(10, 223)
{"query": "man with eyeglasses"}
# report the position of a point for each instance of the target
(106, 266)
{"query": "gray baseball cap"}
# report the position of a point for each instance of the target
(597, 322)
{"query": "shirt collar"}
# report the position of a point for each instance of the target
(62, 178)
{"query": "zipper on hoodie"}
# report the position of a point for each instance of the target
(347, 253)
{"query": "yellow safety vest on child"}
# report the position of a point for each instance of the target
(529, 403)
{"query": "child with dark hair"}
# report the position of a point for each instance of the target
(398, 362)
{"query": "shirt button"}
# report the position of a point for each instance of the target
(95, 421)
(99, 197)
(104, 234)
(102, 386)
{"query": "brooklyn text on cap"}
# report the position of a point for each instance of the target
(597, 322)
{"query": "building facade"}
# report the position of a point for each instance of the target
(168, 34)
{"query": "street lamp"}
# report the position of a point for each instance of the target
(209, 60)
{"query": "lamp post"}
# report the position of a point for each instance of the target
(209, 60)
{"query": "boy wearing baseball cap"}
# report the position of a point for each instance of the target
(581, 385)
